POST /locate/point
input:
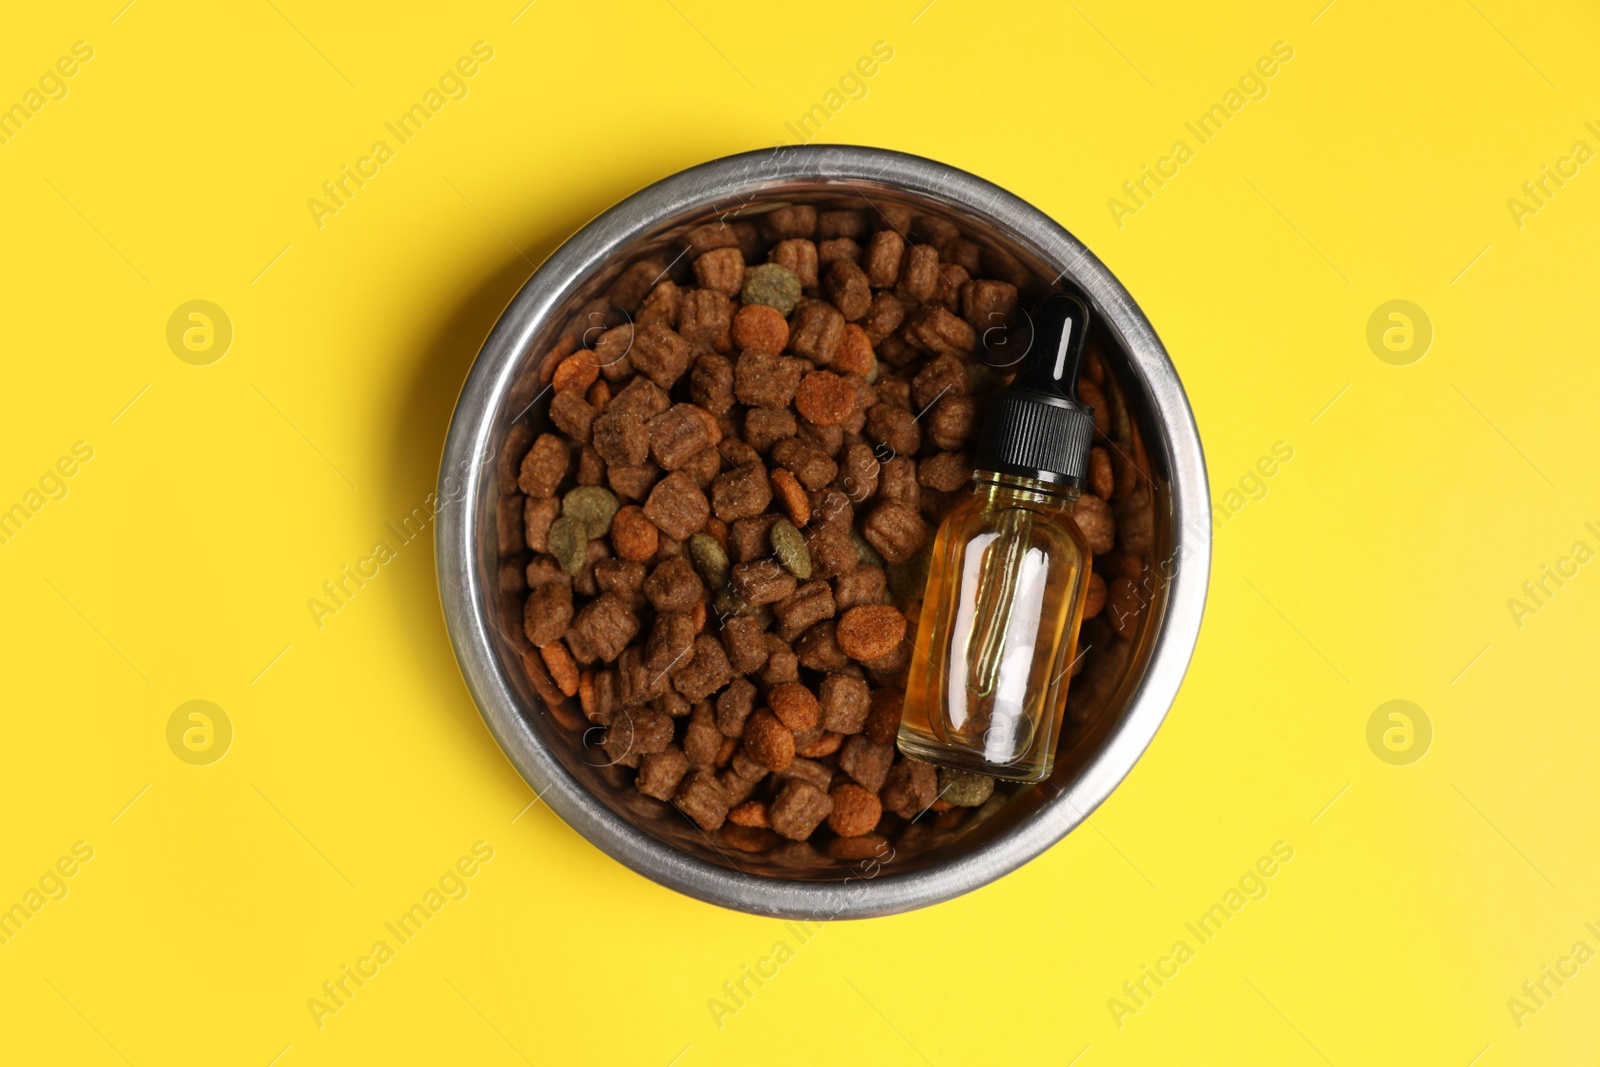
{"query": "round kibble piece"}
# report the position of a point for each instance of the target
(790, 546)
(633, 536)
(870, 631)
(769, 742)
(772, 285)
(825, 398)
(856, 810)
(569, 543)
(964, 789)
(795, 706)
(762, 327)
(591, 507)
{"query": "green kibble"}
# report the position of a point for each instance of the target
(773, 285)
(710, 559)
(569, 543)
(866, 555)
(965, 789)
(591, 507)
(790, 545)
(906, 580)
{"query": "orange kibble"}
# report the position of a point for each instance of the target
(586, 693)
(793, 495)
(600, 394)
(576, 373)
(794, 705)
(697, 615)
(750, 813)
(718, 529)
(854, 354)
(870, 631)
(561, 666)
(760, 327)
(633, 536)
(826, 398)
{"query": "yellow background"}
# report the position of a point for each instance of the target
(1377, 567)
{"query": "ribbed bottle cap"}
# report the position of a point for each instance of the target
(1036, 428)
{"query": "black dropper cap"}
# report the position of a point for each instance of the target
(1036, 428)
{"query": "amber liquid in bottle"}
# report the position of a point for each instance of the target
(998, 631)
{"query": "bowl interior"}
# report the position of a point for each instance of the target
(1112, 663)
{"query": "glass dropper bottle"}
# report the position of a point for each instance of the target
(1006, 581)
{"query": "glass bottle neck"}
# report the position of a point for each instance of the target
(1015, 489)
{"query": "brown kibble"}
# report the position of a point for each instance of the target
(843, 703)
(944, 376)
(705, 317)
(799, 257)
(1094, 598)
(953, 422)
(809, 464)
(764, 380)
(707, 671)
(866, 761)
(815, 330)
(721, 269)
(945, 472)
(856, 810)
(560, 665)
(660, 353)
(760, 327)
(882, 259)
(919, 274)
(678, 433)
(746, 643)
(837, 250)
(734, 706)
(674, 585)
(545, 466)
(895, 530)
(769, 742)
(660, 773)
(632, 535)
(846, 285)
(762, 581)
(537, 515)
(804, 608)
(794, 705)
(621, 438)
(911, 788)
(818, 648)
(1101, 479)
(750, 813)
(938, 330)
(702, 798)
(825, 398)
(894, 427)
(602, 629)
(870, 631)
(987, 304)
(1094, 518)
(547, 613)
(742, 493)
(799, 809)
(677, 506)
(883, 318)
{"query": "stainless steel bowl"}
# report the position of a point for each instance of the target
(1114, 714)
